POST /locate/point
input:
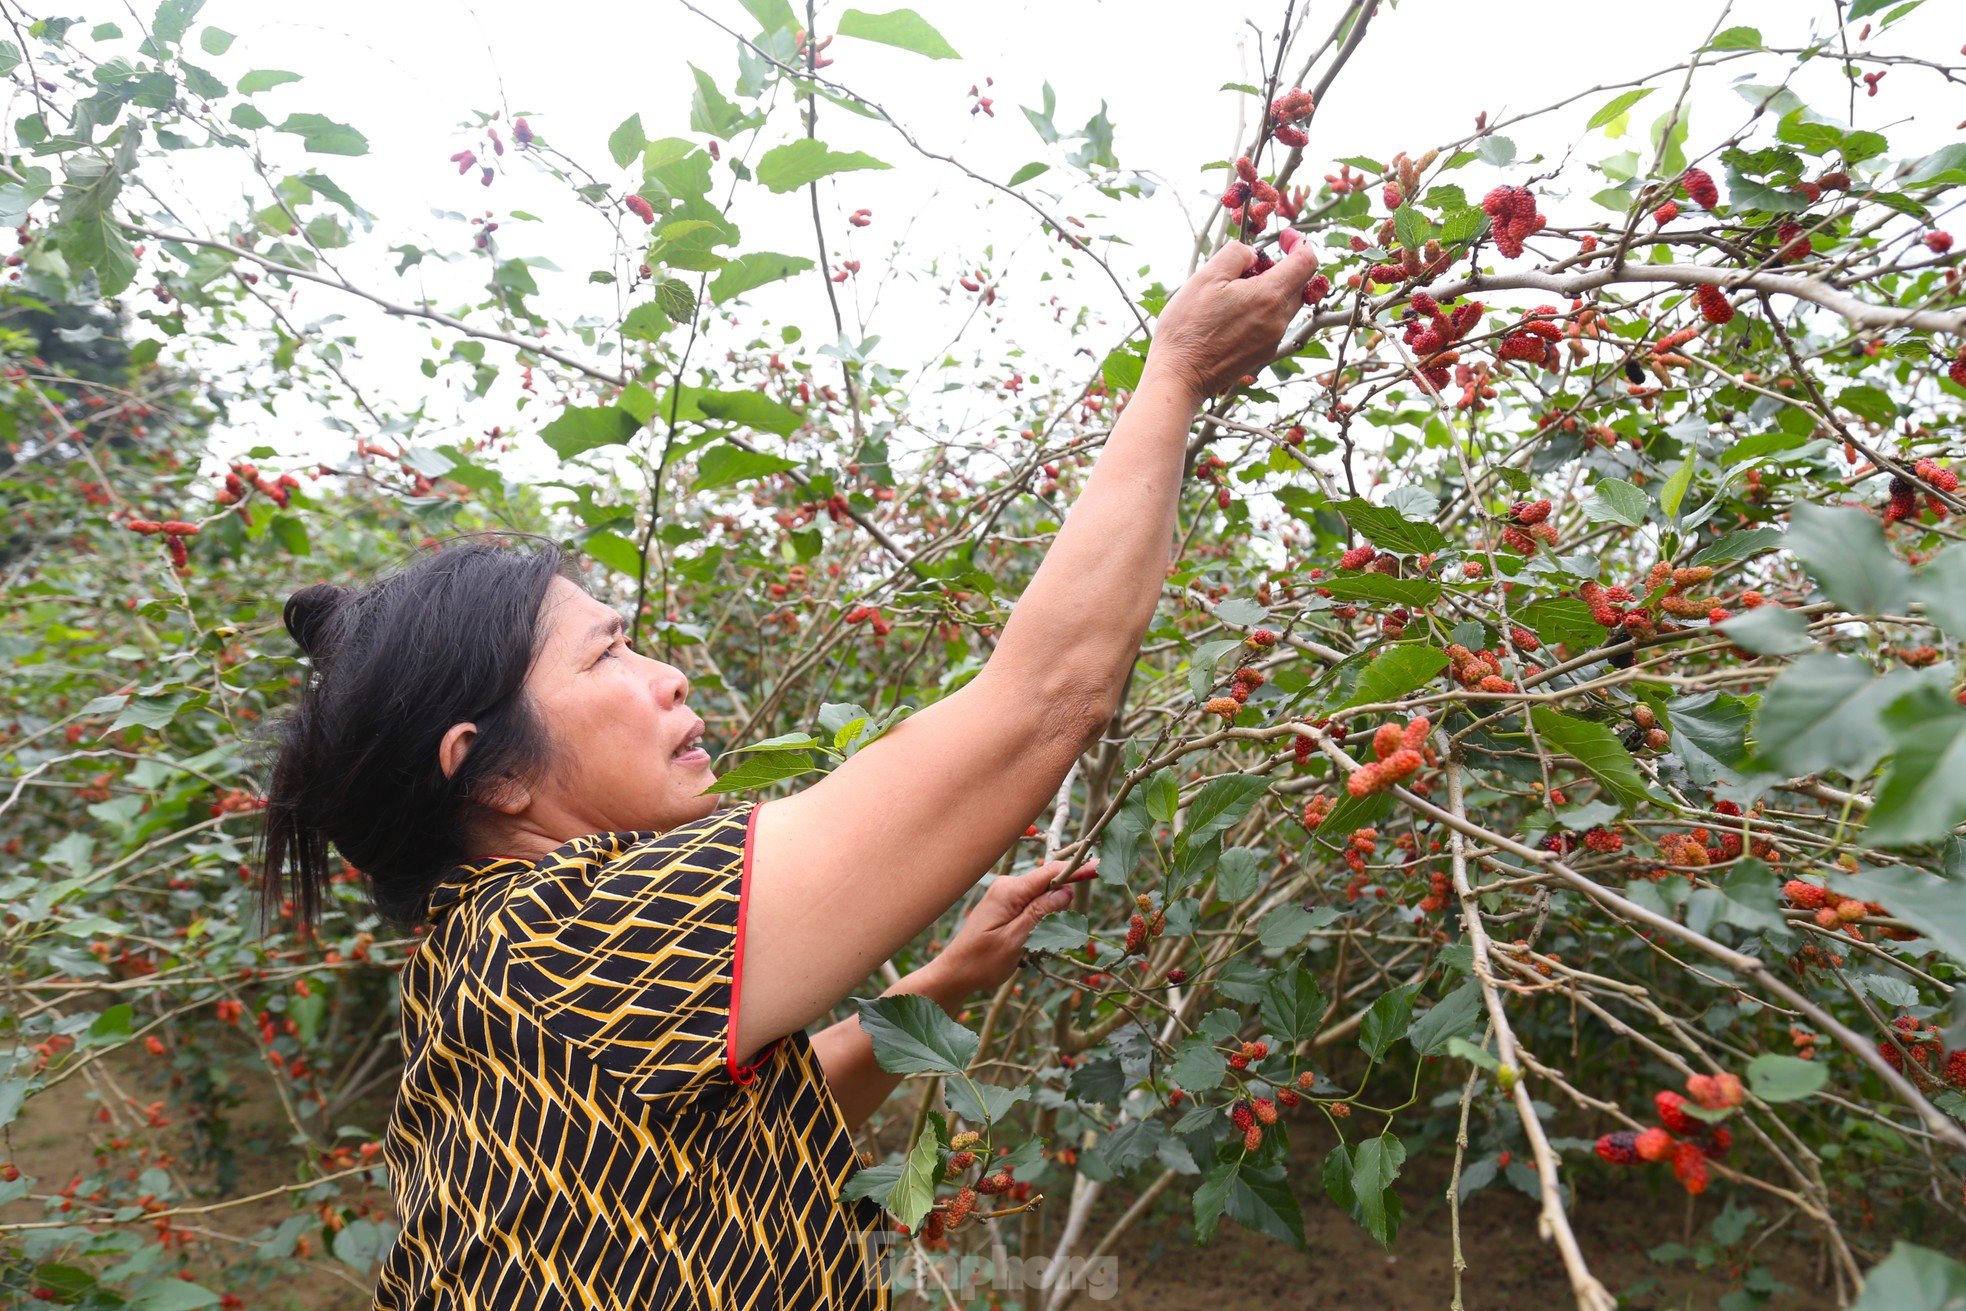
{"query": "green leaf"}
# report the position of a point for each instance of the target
(1845, 552)
(1389, 530)
(1617, 501)
(1824, 713)
(215, 40)
(753, 270)
(724, 465)
(789, 167)
(1375, 1165)
(1415, 592)
(1198, 1067)
(1929, 904)
(913, 1035)
(1212, 1198)
(675, 299)
(324, 136)
(747, 409)
(1562, 619)
(627, 141)
(761, 770)
(1675, 489)
(1617, 105)
(712, 113)
(1775, 1078)
(1912, 1278)
(1025, 174)
(1740, 545)
(614, 551)
(914, 1191)
(1596, 748)
(1411, 226)
(1220, 804)
(1923, 795)
(583, 428)
(1868, 403)
(170, 1295)
(1709, 733)
(902, 28)
(265, 79)
(1457, 1015)
(1292, 1005)
(1768, 630)
(1941, 585)
(1261, 1200)
(1736, 38)
(173, 20)
(1747, 898)
(983, 1103)
(772, 15)
(1386, 1023)
(113, 1025)
(1395, 671)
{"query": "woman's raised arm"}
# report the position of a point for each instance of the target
(847, 871)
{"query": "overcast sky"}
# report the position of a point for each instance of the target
(409, 73)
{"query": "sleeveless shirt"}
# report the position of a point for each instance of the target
(572, 1128)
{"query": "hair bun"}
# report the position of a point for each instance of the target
(309, 616)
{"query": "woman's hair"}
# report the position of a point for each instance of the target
(447, 639)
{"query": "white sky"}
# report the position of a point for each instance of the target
(407, 74)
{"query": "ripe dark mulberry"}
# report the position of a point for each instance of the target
(1619, 1148)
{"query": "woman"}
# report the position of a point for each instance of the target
(609, 1099)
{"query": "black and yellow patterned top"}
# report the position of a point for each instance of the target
(573, 1129)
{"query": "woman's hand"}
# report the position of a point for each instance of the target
(987, 947)
(1221, 325)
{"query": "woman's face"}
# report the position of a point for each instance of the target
(627, 751)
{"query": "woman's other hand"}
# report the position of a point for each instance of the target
(987, 947)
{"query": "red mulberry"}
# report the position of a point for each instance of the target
(1619, 1148)
(640, 208)
(1672, 1112)
(1700, 188)
(1938, 242)
(1713, 303)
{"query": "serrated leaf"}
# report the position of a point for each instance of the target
(1220, 804)
(1709, 733)
(914, 1188)
(1397, 670)
(750, 271)
(724, 465)
(1923, 795)
(1376, 1164)
(1736, 38)
(1740, 545)
(762, 770)
(1415, 592)
(324, 136)
(1768, 630)
(1932, 905)
(1777, 1078)
(584, 428)
(902, 28)
(265, 79)
(1824, 712)
(795, 164)
(1292, 1004)
(1387, 1021)
(1941, 585)
(1868, 403)
(1911, 1278)
(1617, 501)
(1617, 105)
(913, 1035)
(1390, 530)
(1456, 1015)
(1198, 1067)
(1597, 749)
(1845, 552)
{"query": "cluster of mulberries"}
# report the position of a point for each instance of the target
(1439, 889)
(1288, 110)
(1603, 841)
(1833, 911)
(1315, 810)
(1512, 217)
(1929, 1060)
(1794, 246)
(1431, 332)
(1247, 1054)
(1684, 1140)
(1400, 757)
(1251, 191)
(1480, 670)
(1698, 185)
(1534, 340)
(1362, 843)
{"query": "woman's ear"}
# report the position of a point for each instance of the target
(456, 744)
